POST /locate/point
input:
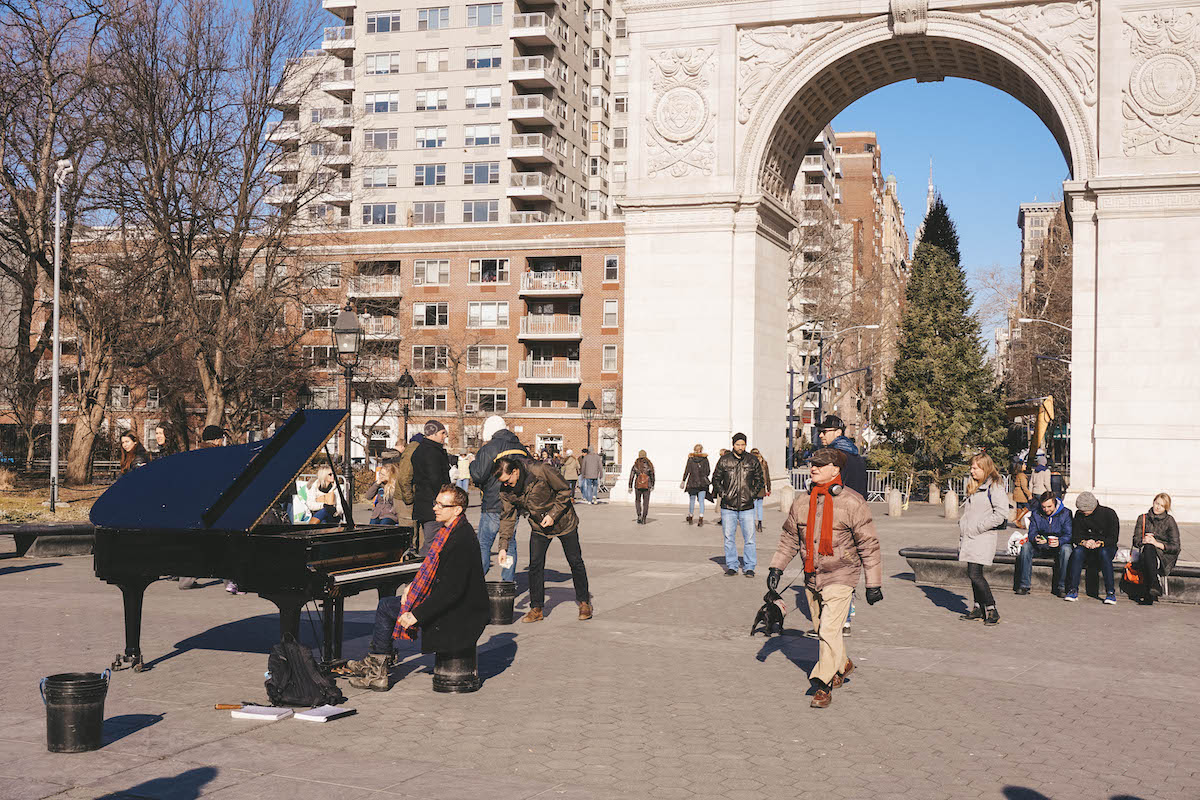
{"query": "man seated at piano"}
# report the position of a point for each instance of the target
(447, 600)
(323, 497)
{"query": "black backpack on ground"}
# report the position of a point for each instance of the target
(296, 680)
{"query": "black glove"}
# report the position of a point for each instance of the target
(773, 576)
(874, 594)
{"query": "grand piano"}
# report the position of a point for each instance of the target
(217, 513)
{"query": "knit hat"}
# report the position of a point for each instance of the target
(570, 453)
(738, 436)
(433, 427)
(491, 426)
(212, 433)
(1086, 502)
(641, 453)
(827, 455)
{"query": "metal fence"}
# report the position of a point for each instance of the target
(879, 481)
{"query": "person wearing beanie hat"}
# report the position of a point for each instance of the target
(737, 480)
(498, 441)
(641, 483)
(1094, 532)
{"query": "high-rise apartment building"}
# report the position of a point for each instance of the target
(1033, 220)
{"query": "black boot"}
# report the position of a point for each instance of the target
(974, 614)
(758, 526)
(992, 617)
(689, 519)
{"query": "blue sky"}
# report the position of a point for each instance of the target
(990, 153)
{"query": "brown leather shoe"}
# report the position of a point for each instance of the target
(533, 615)
(821, 699)
(840, 678)
(585, 610)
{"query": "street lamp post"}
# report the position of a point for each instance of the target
(1026, 320)
(589, 413)
(821, 363)
(63, 171)
(407, 384)
(347, 337)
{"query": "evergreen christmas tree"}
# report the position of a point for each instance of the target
(942, 403)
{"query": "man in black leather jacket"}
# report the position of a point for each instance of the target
(737, 481)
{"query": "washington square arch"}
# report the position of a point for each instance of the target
(727, 96)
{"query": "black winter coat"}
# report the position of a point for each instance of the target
(502, 442)
(431, 471)
(455, 612)
(695, 474)
(1166, 531)
(1101, 525)
(541, 490)
(738, 481)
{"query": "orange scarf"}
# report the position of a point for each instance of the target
(826, 548)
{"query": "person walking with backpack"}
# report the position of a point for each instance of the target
(570, 471)
(764, 492)
(985, 511)
(641, 482)
(695, 483)
(737, 480)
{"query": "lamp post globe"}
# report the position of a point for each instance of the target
(347, 340)
(407, 385)
(588, 409)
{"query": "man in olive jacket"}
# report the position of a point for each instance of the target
(831, 528)
(738, 480)
(539, 491)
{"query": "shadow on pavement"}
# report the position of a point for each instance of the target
(499, 657)
(117, 728)
(943, 598)
(905, 576)
(184, 786)
(26, 567)
(798, 649)
(260, 633)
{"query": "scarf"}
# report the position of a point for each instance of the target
(422, 584)
(826, 546)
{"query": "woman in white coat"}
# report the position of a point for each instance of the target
(985, 512)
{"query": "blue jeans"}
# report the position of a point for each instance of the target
(326, 514)
(693, 499)
(489, 528)
(1075, 567)
(1024, 565)
(463, 483)
(730, 520)
(758, 506)
(385, 623)
(383, 521)
(587, 487)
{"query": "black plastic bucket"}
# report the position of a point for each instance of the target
(74, 710)
(501, 596)
(456, 673)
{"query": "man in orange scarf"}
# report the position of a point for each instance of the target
(832, 529)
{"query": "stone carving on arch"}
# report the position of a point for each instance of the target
(1069, 32)
(763, 52)
(1161, 104)
(682, 117)
(910, 17)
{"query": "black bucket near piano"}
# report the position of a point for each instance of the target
(215, 513)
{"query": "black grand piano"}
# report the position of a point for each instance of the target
(216, 513)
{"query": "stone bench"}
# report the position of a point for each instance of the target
(51, 539)
(939, 566)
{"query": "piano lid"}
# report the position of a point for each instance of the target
(226, 488)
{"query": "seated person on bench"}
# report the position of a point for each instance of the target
(1093, 532)
(1049, 537)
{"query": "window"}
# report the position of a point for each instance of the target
(487, 315)
(597, 58)
(868, 148)
(483, 97)
(120, 396)
(596, 167)
(429, 399)
(379, 177)
(431, 137)
(597, 95)
(430, 175)
(429, 213)
(431, 315)
(611, 267)
(152, 398)
(488, 401)
(608, 401)
(609, 362)
(619, 30)
(548, 396)
(379, 214)
(621, 103)
(319, 356)
(596, 130)
(487, 358)
(383, 22)
(320, 317)
(620, 66)
(325, 276)
(599, 19)
(383, 64)
(431, 273)
(483, 57)
(430, 357)
(485, 15)
(382, 102)
(386, 139)
(431, 99)
(431, 19)
(481, 172)
(620, 137)
(433, 60)
(597, 200)
(610, 313)
(481, 211)
(481, 135)
(488, 270)
(620, 170)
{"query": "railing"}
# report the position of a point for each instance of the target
(529, 102)
(552, 281)
(551, 325)
(387, 285)
(339, 186)
(378, 369)
(878, 483)
(527, 217)
(548, 370)
(335, 149)
(283, 128)
(333, 113)
(339, 33)
(527, 140)
(535, 20)
(529, 180)
(206, 285)
(535, 64)
(380, 327)
(338, 75)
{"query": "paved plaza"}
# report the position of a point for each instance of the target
(662, 695)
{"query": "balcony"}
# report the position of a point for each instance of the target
(532, 186)
(527, 217)
(531, 148)
(206, 286)
(285, 164)
(381, 328)
(281, 194)
(536, 30)
(551, 327)
(552, 284)
(339, 7)
(337, 82)
(338, 192)
(285, 131)
(534, 71)
(335, 118)
(338, 38)
(378, 369)
(548, 372)
(530, 109)
(336, 155)
(374, 286)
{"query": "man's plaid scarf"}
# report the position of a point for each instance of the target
(418, 590)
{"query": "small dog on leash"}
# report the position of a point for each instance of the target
(770, 615)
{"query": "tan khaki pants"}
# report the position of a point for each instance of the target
(829, 608)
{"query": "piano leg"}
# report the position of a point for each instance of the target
(332, 611)
(133, 591)
(290, 604)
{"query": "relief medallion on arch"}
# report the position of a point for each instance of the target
(1161, 103)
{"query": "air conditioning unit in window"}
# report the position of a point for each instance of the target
(471, 408)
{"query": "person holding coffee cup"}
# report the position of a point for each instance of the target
(1049, 537)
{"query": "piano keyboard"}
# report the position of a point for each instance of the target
(381, 571)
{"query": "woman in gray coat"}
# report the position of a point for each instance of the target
(985, 511)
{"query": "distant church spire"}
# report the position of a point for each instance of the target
(931, 197)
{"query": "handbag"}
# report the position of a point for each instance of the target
(1132, 576)
(683, 486)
